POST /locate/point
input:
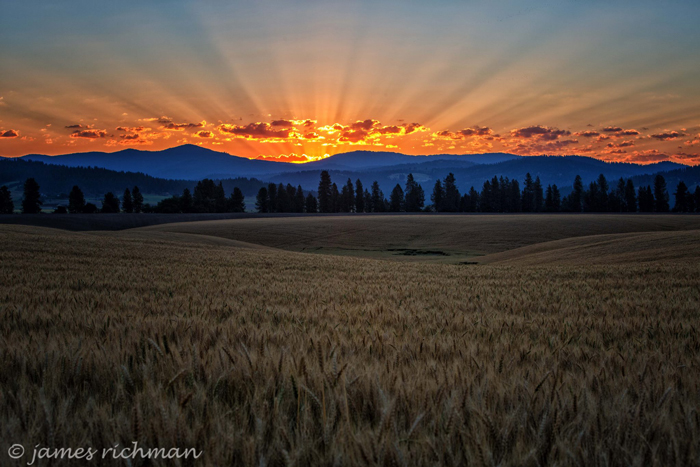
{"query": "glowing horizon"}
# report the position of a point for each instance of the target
(300, 82)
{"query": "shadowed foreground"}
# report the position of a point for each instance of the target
(267, 357)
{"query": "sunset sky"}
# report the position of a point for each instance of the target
(294, 81)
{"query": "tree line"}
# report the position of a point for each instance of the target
(208, 197)
(499, 194)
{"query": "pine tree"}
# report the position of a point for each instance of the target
(76, 200)
(127, 202)
(324, 193)
(630, 196)
(538, 195)
(186, 202)
(335, 198)
(31, 204)
(528, 197)
(645, 199)
(236, 203)
(300, 200)
(660, 194)
(311, 204)
(7, 206)
(414, 195)
(556, 199)
(451, 200)
(576, 198)
(396, 200)
(262, 200)
(377, 198)
(696, 198)
(272, 201)
(438, 196)
(682, 198)
(137, 199)
(368, 201)
(110, 203)
(359, 197)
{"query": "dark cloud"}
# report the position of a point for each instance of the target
(183, 126)
(619, 131)
(89, 134)
(588, 133)
(130, 129)
(466, 133)
(612, 129)
(71, 127)
(667, 135)
(164, 120)
(364, 124)
(204, 134)
(259, 130)
(540, 132)
(9, 134)
(129, 136)
(284, 123)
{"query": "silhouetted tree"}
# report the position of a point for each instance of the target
(683, 198)
(576, 198)
(76, 200)
(396, 200)
(528, 196)
(220, 198)
(347, 197)
(236, 203)
(127, 202)
(261, 200)
(335, 198)
(696, 198)
(645, 199)
(283, 203)
(137, 199)
(377, 198)
(452, 197)
(31, 204)
(438, 196)
(272, 202)
(538, 195)
(205, 196)
(60, 210)
(311, 204)
(300, 200)
(7, 206)
(414, 195)
(359, 196)
(368, 200)
(110, 203)
(630, 196)
(186, 201)
(660, 194)
(325, 204)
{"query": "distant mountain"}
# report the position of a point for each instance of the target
(55, 180)
(186, 162)
(189, 162)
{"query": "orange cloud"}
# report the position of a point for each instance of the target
(204, 134)
(261, 131)
(89, 134)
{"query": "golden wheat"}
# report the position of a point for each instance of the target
(266, 357)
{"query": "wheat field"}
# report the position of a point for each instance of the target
(259, 356)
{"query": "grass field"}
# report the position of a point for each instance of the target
(580, 348)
